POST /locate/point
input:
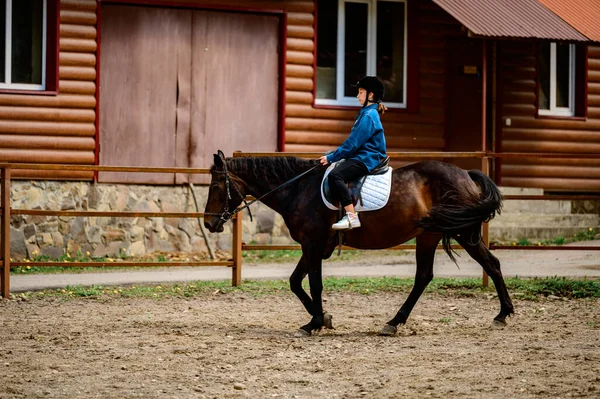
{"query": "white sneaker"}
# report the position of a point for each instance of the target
(349, 221)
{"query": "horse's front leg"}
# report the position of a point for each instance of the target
(296, 278)
(313, 306)
(315, 280)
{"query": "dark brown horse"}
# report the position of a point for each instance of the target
(432, 201)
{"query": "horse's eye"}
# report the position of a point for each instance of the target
(214, 186)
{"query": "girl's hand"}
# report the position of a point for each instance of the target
(323, 160)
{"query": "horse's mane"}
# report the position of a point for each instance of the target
(273, 169)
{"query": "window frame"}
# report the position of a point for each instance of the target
(554, 110)
(50, 51)
(371, 67)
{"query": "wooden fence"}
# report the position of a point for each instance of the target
(5, 263)
(237, 245)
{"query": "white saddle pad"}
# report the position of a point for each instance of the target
(375, 191)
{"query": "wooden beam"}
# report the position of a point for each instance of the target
(485, 227)
(236, 251)
(5, 227)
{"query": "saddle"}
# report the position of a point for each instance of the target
(368, 193)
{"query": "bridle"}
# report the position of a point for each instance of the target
(226, 215)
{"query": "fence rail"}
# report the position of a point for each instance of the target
(237, 245)
(5, 262)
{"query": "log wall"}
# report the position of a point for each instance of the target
(61, 129)
(57, 129)
(527, 133)
(319, 129)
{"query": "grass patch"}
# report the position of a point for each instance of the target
(283, 256)
(250, 256)
(557, 286)
(526, 288)
(271, 256)
(64, 269)
(67, 259)
(584, 235)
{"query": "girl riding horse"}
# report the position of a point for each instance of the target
(362, 151)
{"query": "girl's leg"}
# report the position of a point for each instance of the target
(347, 171)
(339, 177)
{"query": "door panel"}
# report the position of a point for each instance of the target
(178, 85)
(465, 85)
(235, 104)
(138, 88)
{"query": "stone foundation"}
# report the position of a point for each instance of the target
(53, 236)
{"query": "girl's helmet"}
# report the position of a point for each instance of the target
(372, 85)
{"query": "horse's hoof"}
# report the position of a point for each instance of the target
(301, 333)
(388, 330)
(327, 321)
(498, 324)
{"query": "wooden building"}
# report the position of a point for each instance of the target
(168, 82)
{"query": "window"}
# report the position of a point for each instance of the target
(357, 38)
(557, 83)
(23, 39)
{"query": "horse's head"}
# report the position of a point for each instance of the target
(224, 195)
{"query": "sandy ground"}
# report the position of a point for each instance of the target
(236, 345)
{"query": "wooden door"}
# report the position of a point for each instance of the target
(140, 51)
(235, 84)
(177, 85)
(464, 110)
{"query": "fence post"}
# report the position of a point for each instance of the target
(236, 251)
(5, 227)
(485, 227)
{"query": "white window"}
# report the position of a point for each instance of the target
(23, 44)
(356, 38)
(556, 94)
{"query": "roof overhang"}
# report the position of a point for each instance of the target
(510, 19)
(583, 15)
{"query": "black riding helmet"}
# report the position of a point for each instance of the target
(372, 85)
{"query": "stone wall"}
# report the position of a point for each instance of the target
(54, 236)
(539, 220)
(586, 206)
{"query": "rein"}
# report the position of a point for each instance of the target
(226, 215)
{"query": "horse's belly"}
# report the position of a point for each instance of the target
(376, 240)
(393, 225)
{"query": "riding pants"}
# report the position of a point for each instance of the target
(345, 172)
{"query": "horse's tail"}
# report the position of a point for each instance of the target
(457, 213)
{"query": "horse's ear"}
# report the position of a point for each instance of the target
(219, 159)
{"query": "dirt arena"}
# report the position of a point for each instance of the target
(236, 345)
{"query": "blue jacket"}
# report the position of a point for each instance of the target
(366, 142)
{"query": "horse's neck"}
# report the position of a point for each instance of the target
(258, 187)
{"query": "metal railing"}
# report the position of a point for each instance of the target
(485, 167)
(237, 244)
(546, 197)
(393, 155)
(486, 158)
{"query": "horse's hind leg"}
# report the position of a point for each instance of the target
(426, 246)
(475, 247)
